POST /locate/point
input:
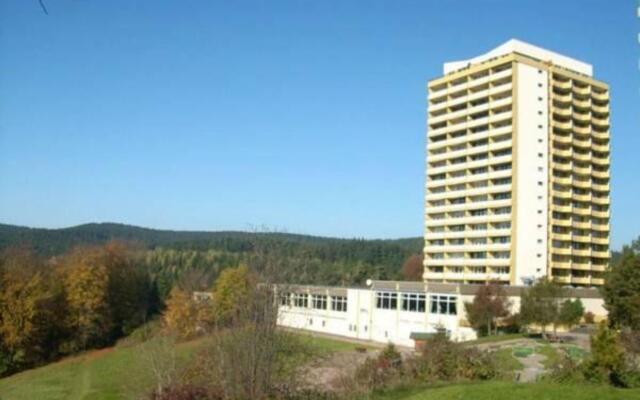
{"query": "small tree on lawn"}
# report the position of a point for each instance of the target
(571, 312)
(489, 304)
(541, 304)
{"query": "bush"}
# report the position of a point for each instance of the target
(589, 317)
(609, 363)
(380, 372)
(444, 360)
(566, 370)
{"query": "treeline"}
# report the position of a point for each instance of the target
(86, 298)
(194, 259)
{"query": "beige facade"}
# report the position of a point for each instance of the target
(517, 170)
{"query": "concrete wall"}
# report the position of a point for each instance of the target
(363, 320)
(530, 232)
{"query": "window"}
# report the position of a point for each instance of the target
(339, 303)
(300, 300)
(319, 301)
(445, 305)
(414, 302)
(285, 299)
(386, 300)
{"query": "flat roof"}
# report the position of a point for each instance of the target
(518, 46)
(464, 289)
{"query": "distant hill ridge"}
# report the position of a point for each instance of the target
(56, 241)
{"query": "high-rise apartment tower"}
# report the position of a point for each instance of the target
(517, 170)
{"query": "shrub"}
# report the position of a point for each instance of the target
(377, 373)
(589, 317)
(609, 363)
(566, 370)
(444, 360)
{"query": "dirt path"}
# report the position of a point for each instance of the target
(533, 368)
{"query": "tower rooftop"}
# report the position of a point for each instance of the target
(517, 46)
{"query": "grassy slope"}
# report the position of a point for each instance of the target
(115, 373)
(509, 391)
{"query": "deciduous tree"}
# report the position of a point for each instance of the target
(489, 304)
(540, 304)
(621, 292)
(413, 269)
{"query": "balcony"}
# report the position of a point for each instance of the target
(581, 170)
(601, 241)
(580, 280)
(600, 96)
(602, 122)
(581, 117)
(601, 147)
(562, 98)
(562, 139)
(600, 135)
(565, 85)
(581, 225)
(582, 184)
(600, 109)
(582, 157)
(603, 161)
(563, 237)
(584, 143)
(581, 211)
(582, 130)
(582, 197)
(565, 126)
(600, 214)
(582, 104)
(561, 222)
(561, 208)
(600, 254)
(601, 200)
(561, 152)
(584, 91)
(600, 227)
(561, 180)
(561, 265)
(565, 112)
(600, 174)
(601, 187)
(562, 279)
(564, 251)
(581, 253)
(563, 194)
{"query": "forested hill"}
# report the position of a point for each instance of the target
(48, 242)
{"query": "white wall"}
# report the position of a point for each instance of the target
(532, 163)
(364, 321)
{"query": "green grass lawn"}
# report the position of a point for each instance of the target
(495, 338)
(522, 351)
(323, 345)
(507, 391)
(506, 360)
(114, 373)
(551, 355)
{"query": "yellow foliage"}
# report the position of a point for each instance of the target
(231, 293)
(181, 315)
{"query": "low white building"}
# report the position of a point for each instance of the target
(394, 312)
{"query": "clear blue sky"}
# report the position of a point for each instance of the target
(305, 116)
